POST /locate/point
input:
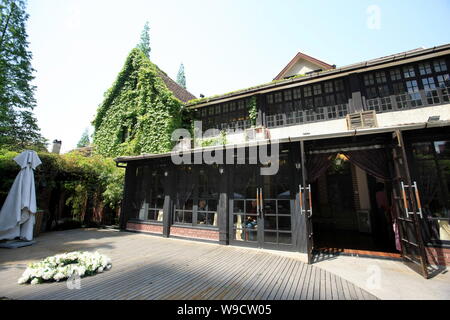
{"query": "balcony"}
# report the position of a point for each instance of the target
(411, 100)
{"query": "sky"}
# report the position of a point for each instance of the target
(79, 46)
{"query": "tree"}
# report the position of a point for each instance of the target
(144, 45)
(181, 78)
(84, 141)
(18, 125)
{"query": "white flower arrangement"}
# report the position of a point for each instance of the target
(63, 266)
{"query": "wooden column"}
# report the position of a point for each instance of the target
(128, 193)
(222, 208)
(169, 183)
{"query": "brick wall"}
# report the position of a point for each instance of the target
(438, 256)
(142, 227)
(195, 233)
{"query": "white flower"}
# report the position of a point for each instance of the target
(35, 281)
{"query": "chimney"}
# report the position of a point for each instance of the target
(56, 146)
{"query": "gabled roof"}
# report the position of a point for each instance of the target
(179, 92)
(299, 56)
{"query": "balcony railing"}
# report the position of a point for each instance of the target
(307, 116)
(411, 100)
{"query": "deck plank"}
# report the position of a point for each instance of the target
(153, 267)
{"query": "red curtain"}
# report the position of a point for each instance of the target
(373, 161)
(317, 164)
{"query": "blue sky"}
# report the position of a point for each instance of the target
(79, 46)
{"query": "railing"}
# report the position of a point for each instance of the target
(411, 100)
(306, 116)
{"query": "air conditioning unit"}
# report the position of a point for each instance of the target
(359, 120)
(257, 133)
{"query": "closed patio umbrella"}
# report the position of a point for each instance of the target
(17, 214)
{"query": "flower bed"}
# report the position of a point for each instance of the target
(63, 266)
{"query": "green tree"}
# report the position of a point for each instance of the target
(84, 141)
(144, 44)
(18, 125)
(181, 78)
(138, 113)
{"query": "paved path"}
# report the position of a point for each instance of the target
(151, 267)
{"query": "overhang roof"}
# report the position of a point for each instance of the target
(378, 63)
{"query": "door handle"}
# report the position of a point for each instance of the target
(310, 201)
(300, 198)
(260, 203)
(419, 205)
(257, 201)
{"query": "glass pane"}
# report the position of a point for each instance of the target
(270, 236)
(178, 216)
(284, 207)
(251, 222)
(285, 238)
(270, 222)
(251, 206)
(239, 206)
(270, 207)
(250, 235)
(187, 217)
(284, 223)
(238, 221)
(212, 205)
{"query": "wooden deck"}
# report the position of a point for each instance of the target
(151, 267)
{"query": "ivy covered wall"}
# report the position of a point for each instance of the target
(139, 113)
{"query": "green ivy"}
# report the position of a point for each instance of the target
(139, 113)
(253, 110)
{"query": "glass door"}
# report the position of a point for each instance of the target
(244, 206)
(262, 206)
(278, 204)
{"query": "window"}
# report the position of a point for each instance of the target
(380, 77)
(297, 93)
(443, 80)
(395, 75)
(368, 80)
(414, 95)
(317, 89)
(398, 88)
(371, 92)
(424, 68)
(339, 85)
(430, 90)
(217, 109)
(411, 86)
(241, 104)
(152, 193)
(278, 97)
(428, 83)
(440, 65)
(329, 100)
(318, 102)
(408, 72)
(383, 90)
(288, 95)
(225, 108)
(307, 91)
(232, 106)
(328, 86)
(210, 111)
(269, 99)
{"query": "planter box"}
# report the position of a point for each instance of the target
(256, 133)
